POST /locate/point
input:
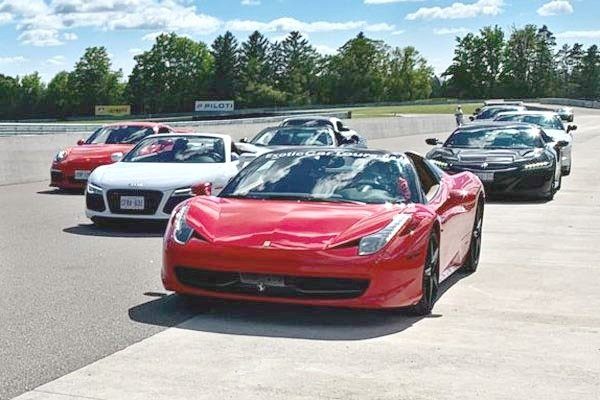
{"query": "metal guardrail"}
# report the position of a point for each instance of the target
(571, 102)
(35, 128)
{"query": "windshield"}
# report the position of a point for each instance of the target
(300, 136)
(327, 175)
(491, 112)
(126, 134)
(184, 149)
(496, 138)
(308, 122)
(545, 121)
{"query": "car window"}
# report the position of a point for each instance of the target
(184, 149)
(496, 138)
(293, 136)
(126, 134)
(429, 176)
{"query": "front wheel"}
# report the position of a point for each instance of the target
(472, 260)
(431, 279)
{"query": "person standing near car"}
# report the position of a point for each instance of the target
(458, 114)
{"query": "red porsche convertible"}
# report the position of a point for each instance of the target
(334, 227)
(72, 166)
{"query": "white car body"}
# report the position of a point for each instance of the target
(336, 124)
(136, 179)
(556, 134)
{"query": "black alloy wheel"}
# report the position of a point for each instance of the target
(472, 260)
(431, 278)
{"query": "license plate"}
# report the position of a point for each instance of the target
(262, 280)
(82, 175)
(132, 202)
(485, 176)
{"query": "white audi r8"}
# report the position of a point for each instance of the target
(159, 173)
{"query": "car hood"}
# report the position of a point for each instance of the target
(558, 134)
(492, 156)
(288, 225)
(97, 151)
(159, 176)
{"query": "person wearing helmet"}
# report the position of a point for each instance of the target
(458, 115)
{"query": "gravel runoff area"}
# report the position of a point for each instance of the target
(86, 306)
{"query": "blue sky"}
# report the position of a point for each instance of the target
(50, 35)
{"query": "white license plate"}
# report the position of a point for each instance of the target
(132, 202)
(82, 175)
(485, 176)
(265, 280)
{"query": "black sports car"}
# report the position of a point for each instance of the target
(509, 158)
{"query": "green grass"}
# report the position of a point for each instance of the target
(389, 111)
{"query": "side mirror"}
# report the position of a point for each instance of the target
(116, 157)
(562, 143)
(80, 142)
(244, 140)
(471, 118)
(202, 189)
(433, 141)
(571, 128)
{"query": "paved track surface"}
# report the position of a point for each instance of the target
(526, 325)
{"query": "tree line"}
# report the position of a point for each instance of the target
(177, 71)
(257, 72)
(526, 64)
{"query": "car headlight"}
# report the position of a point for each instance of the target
(93, 189)
(375, 242)
(182, 192)
(441, 164)
(61, 155)
(537, 165)
(182, 232)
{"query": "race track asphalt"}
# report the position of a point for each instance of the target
(526, 325)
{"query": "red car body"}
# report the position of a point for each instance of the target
(315, 244)
(87, 157)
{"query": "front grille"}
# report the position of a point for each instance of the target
(172, 203)
(95, 202)
(294, 286)
(151, 201)
(56, 176)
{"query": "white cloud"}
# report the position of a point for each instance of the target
(13, 60)
(459, 10)
(555, 7)
(388, 1)
(287, 24)
(70, 36)
(450, 31)
(579, 35)
(398, 32)
(57, 60)
(5, 17)
(40, 37)
(325, 50)
(250, 2)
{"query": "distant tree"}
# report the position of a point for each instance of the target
(9, 95)
(171, 76)
(520, 59)
(31, 96)
(409, 75)
(226, 78)
(59, 96)
(544, 72)
(357, 73)
(94, 82)
(298, 78)
(587, 77)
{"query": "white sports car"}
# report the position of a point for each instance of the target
(159, 173)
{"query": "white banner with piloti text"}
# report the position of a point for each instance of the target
(220, 105)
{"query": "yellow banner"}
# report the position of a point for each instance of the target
(114, 111)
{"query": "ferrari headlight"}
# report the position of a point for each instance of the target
(182, 232)
(441, 164)
(537, 165)
(61, 155)
(375, 242)
(93, 189)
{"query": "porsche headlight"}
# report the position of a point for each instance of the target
(61, 155)
(441, 164)
(375, 242)
(93, 189)
(537, 165)
(182, 232)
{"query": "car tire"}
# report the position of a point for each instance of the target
(566, 171)
(472, 260)
(431, 279)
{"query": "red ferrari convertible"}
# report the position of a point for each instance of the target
(72, 166)
(333, 227)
